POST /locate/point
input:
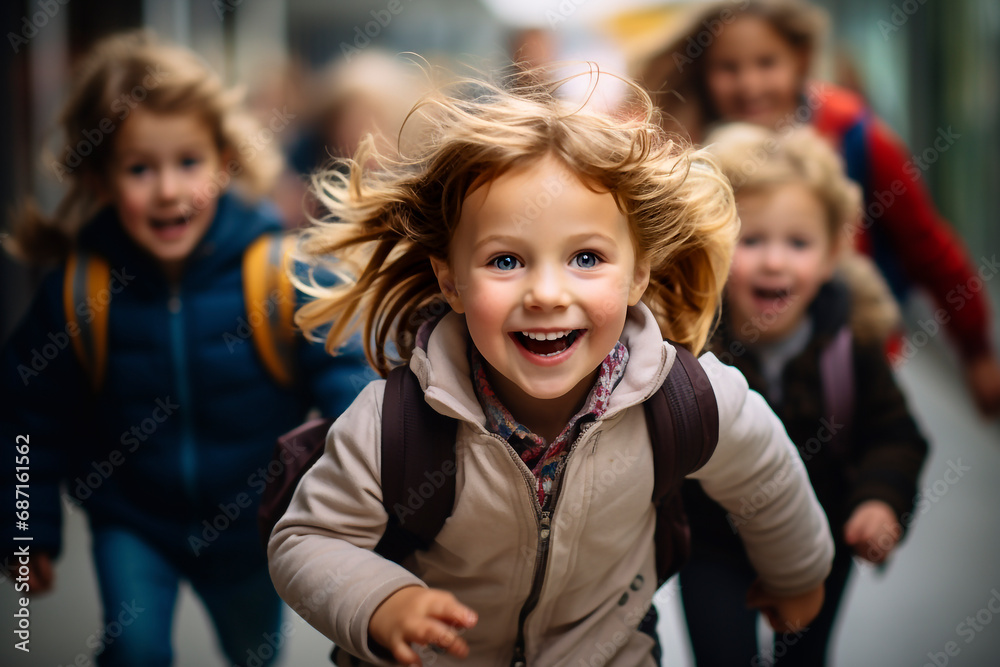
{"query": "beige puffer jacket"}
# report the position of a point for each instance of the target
(589, 564)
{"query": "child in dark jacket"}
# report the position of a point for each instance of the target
(810, 340)
(750, 61)
(147, 392)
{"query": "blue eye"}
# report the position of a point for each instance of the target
(586, 260)
(505, 262)
(749, 241)
(189, 162)
(799, 244)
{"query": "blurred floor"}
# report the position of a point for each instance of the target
(934, 598)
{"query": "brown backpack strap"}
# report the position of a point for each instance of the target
(418, 467)
(684, 410)
(294, 453)
(683, 422)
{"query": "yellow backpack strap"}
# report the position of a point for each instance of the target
(86, 295)
(270, 304)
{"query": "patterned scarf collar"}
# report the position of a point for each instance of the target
(543, 459)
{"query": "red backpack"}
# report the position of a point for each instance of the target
(418, 443)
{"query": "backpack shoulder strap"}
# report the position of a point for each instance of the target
(86, 290)
(683, 422)
(294, 454)
(270, 304)
(418, 467)
(683, 412)
(836, 369)
(854, 146)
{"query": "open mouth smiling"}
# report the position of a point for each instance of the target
(771, 294)
(547, 343)
(168, 223)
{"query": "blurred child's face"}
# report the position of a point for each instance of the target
(753, 74)
(544, 269)
(163, 182)
(783, 256)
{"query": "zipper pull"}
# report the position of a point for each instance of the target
(544, 529)
(518, 660)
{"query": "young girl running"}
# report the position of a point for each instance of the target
(812, 344)
(562, 246)
(749, 60)
(143, 390)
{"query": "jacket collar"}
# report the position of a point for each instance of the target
(442, 366)
(234, 226)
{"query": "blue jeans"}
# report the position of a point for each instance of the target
(138, 587)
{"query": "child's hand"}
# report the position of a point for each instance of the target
(415, 615)
(873, 530)
(41, 574)
(983, 376)
(786, 614)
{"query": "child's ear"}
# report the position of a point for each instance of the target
(446, 281)
(640, 281)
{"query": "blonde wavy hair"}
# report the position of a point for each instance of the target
(390, 215)
(756, 159)
(676, 73)
(123, 72)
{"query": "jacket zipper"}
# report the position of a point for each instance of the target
(182, 380)
(544, 519)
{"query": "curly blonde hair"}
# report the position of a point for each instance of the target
(389, 216)
(123, 72)
(755, 159)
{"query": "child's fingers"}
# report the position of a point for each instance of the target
(444, 637)
(860, 527)
(403, 654)
(763, 601)
(428, 632)
(447, 609)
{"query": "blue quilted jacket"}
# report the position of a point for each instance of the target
(177, 443)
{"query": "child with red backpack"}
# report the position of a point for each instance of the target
(527, 264)
(805, 321)
(750, 61)
(158, 363)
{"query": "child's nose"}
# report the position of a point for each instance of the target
(749, 80)
(167, 185)
(546, 290)
(774, 257)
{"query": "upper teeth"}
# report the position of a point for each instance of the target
(546, 336)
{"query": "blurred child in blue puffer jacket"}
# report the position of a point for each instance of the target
(147, 377)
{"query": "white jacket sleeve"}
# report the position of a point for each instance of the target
(320, 552)
(757, 475)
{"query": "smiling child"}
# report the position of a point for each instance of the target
(561, 247)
